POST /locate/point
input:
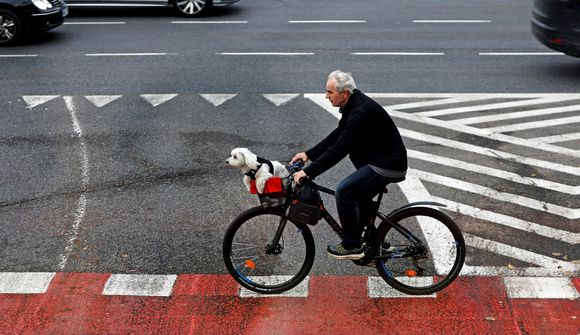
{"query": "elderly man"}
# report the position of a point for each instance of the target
(370, 137)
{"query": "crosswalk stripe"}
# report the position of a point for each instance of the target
(518, 115)
(378, 288)
(300, 291)
(437, 102)
(519, 200)
(510, 221)
(535, 124)
(499, 105)
(25, 282)
(540, 288)
(140, 285)
(558, 138)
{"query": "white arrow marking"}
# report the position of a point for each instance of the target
(217, 99)
(35, 100)
(157, 99)
(279, 99)
(102, 100)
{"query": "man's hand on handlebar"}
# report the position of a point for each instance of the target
(300, 176)
(301, 156)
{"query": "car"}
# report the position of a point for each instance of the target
(556, 24)
(190, 8)
(20, 16)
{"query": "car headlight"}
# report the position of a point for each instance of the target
(42, 4)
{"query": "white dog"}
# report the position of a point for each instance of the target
(252, 165)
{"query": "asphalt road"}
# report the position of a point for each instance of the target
(131, 184)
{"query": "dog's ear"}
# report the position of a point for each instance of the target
(250, 158)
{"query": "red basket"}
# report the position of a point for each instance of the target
(273, 185)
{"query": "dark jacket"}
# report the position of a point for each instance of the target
(367, 133)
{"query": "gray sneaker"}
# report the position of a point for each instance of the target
(340, 252)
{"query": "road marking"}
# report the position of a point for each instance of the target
(93, 22)
(265, 53)
(300, 291)
(209, 22)
(157, 99)
(569, 213)
(327, 21)
(535, 124)
(451, 21)
(439, 101)
(280, 99)
(35, 100)
(25, 282)
(540, 288)
(521, 54)
(102, 100)
(18, 56)
(517, 115)
(140, 285)
(217, 99)
(387, 53)
(378, 288)
(131, 54)
(559, 138)
(513, 177)
(73, 233)
(510, 221)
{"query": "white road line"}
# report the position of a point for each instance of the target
(18, 56)
(535, 124)
(140, 285)
(540, 288)
(462, 95)
(518, 115)
(451, 21)
(157, 99)
(217, 99)
(102, 100)
(131, 54)
(300, 291)
(36, 100)
(327, 21)
(387, 53)
(25, 282)
(265, 53)
(556, 266)
(558, 138)
(94, 22)
(510, 221)
(521, 54)
(378, 288)
(513, 177)
(72, 235)
(280, 99)
(499, 105)
(209, 22)
(439, 101)
(542, 206)
(489, 134)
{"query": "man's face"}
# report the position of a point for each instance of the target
(337, 99)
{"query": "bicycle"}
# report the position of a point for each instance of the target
(416, 249)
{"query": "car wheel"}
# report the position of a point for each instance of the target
(193, 8)
(10, 27)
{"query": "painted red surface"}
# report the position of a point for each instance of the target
(209, 304)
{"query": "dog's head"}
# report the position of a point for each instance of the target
(243, 158)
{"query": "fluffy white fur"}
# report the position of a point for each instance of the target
(245, 160)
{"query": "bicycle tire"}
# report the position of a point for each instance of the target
(443, 260)
(244, 246)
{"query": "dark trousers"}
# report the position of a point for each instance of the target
(353, 196)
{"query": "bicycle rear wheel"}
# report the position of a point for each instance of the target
(438, 264)
(259, 266)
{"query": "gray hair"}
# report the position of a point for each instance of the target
(344, 81)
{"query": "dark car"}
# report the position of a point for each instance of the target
(556, 24)
(189, 8)
(19, 16)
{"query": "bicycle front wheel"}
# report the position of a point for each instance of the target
(259, 264)
(434, 263)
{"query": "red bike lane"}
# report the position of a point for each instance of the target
(74, 303)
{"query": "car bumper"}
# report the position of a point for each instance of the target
(555, 39)
(218, 3)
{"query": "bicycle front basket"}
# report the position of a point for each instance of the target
(275, 192)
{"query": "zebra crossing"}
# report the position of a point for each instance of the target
(506, 166)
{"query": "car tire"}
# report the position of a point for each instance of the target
(193, 8)
(10, 27)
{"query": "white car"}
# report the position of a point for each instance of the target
(189, 8)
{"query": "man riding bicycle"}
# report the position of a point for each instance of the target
(368, 134)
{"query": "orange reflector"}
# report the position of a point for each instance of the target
(411, 273)
(250, 263)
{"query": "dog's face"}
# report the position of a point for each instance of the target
(238, 158)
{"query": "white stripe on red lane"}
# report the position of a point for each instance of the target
(209, 304)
